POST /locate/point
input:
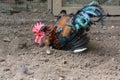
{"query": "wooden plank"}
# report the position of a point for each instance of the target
(57, 7)
(113, 10)
(10, 1)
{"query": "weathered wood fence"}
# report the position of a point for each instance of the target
(112, 6)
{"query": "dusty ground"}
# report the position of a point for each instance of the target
(21, 59)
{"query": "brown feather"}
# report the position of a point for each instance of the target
(52, 38)
(62, 24)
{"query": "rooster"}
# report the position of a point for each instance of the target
(69, 32)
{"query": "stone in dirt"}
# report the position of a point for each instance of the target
(48, 52)
(25, 70)
(2, 59)
(6, 39)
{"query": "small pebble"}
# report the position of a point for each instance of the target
(113, 59)
(48, 52)
(96, 38)
(24, 69)
(112, 27)
(2, 60)
(6, 39)
(104, 27)
(62, 78)
(46, 60)
(6, 69)
(64, 62)
(35, 52)
(24, 79)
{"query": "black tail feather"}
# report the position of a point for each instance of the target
(77, 42)
(81, 44)
(80, 39)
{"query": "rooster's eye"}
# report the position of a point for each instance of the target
(43, 28)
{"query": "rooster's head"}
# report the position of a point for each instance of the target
(39, 32)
